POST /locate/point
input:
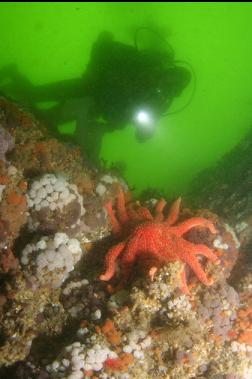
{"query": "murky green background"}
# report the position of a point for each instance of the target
(52, 41)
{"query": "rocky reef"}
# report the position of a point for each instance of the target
(226, 189)
(178, 313)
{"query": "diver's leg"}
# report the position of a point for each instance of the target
(89, 132)
(64, 112)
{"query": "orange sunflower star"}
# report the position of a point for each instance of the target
(153, 239)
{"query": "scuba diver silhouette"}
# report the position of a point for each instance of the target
(121, 84)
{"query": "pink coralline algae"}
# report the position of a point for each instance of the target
(6, 143)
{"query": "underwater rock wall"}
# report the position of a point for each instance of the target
(227, 190)
(61, 220)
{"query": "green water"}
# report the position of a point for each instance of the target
(52, 41)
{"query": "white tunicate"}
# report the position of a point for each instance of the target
(217, 243)
(64, 194)
(41, 244)
(96, 315)
(91, 352)
(53, 193)
(64, 250)
(59, 262)
(29, 248)
(50, 255)
(44, 181)
(146, 342)
(35, 186)
(60, 238)
(87, 366)
(50, 245)
(66, 362)
(73, 187)
(231, 231)
(44, 204)
(76, 344)
(30, 203)
(60, 205)
(12, 170)
(73, 245)
(51, 266)
(112, 355)
(138, 354)
(127, 349)
(37, 200)
(55, 196)
(107, 179)
(59, 186)
(24, 260)
(241, 226)
(53, 179)
(41, 260)
(97, 366)
(90, 359)
(75, 360)
(71, 197)
(76, 375)
(100, 189)
(78, 357)
(55, 365)
(45, 258)
(49, 188)
(82, 331)
(41, 193)
(52, 206)
(32, 194)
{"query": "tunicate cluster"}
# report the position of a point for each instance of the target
(51, 259)
(54, 204)
(136, 342)
(83, 299)
(177, 309)
(219, 304)
(79, 357)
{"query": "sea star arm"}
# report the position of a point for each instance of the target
(159, 210)
(140, 214)
(174, 212)
(133, 215)
(127, 269)
(116, 227)
(192, 261)
(187, 225)
(152, 272)
(121, 208)
(145, 214)
(206, 252)
(127, 262)
(110, 259)
(184, 287)
(131, 251)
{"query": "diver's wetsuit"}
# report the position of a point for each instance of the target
(120, 78)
